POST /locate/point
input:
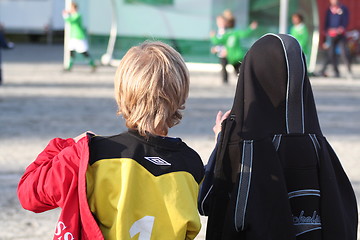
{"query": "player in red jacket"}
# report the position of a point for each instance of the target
(140, 182)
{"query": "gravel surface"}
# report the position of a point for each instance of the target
(39, 102)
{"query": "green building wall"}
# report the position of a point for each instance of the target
(197, 48)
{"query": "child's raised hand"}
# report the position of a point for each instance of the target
(219, 118)
(254, 25)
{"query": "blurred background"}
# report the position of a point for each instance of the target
(184, 24)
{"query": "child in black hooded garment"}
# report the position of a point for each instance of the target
(273, 175)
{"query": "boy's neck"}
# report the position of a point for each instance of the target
(161, 134)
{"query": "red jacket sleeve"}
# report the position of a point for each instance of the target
(49, 178)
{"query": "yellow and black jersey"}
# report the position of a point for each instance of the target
(144, 188)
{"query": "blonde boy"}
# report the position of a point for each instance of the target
(151, 86)
(137, 183)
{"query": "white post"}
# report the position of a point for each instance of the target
(284, 9)
(66, 62)
(315, 38)
(106, 59)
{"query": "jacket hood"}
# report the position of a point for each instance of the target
(267, 99)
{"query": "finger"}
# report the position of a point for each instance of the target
(218, 117)
(226, 115)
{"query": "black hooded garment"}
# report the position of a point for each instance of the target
(273, 175)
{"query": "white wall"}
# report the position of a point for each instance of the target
(25, 15)
(186, 19)
(57, 19)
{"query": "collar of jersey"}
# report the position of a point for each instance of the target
(164, 142)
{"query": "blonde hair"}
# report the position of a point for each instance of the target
(151, 87)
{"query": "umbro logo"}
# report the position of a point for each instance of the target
(158, 161)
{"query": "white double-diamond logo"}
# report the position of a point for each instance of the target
(158, 161)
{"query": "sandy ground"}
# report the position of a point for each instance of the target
(39, 102)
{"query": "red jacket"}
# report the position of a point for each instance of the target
(57, 179)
